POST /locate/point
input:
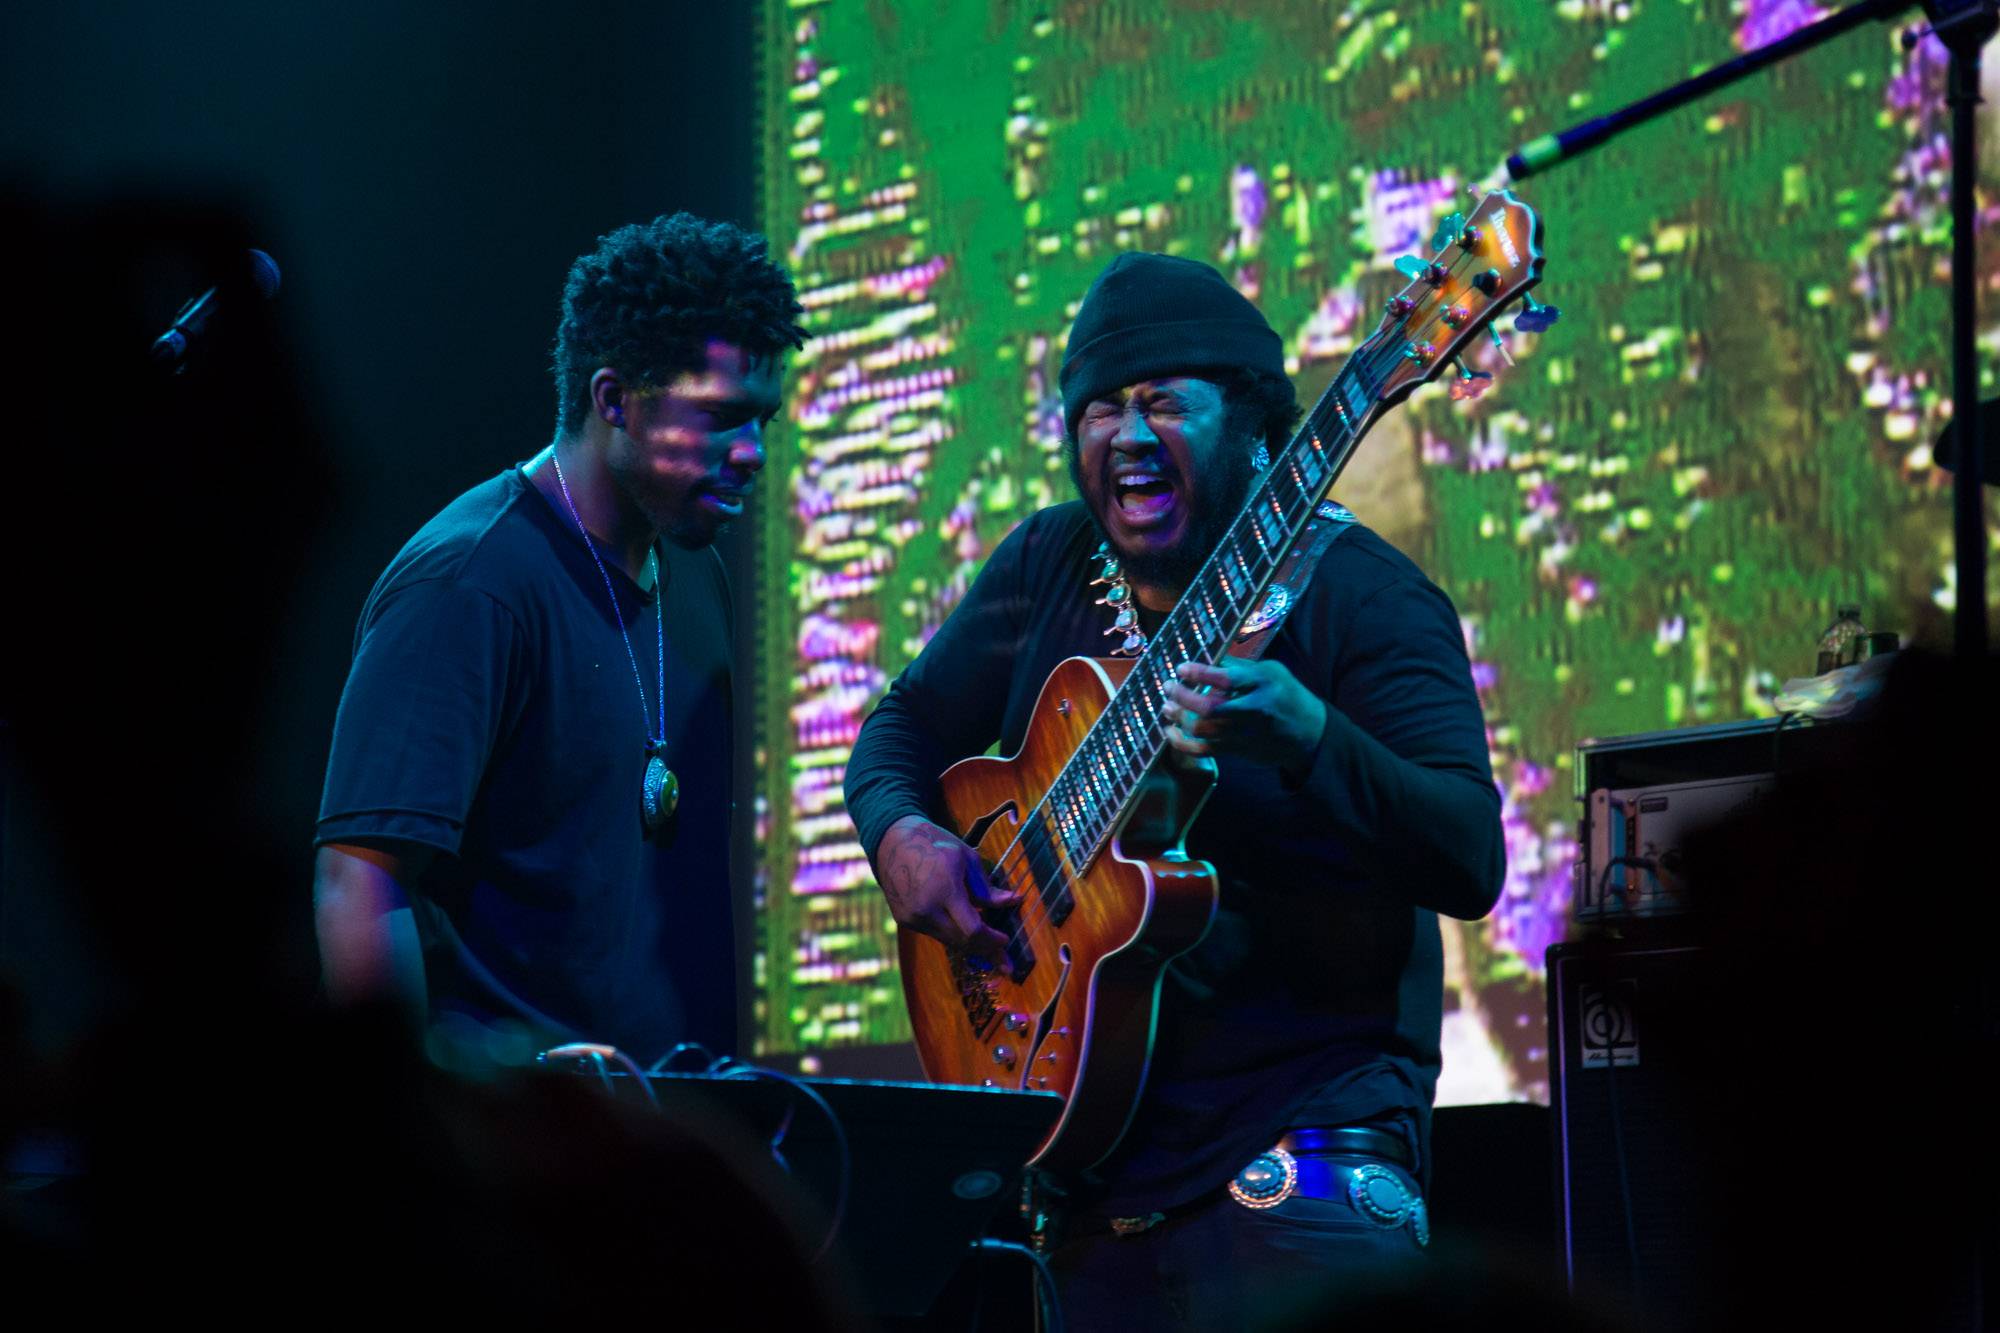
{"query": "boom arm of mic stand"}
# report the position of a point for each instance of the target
(1550, 149)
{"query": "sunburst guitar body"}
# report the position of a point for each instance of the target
(1072, 1008)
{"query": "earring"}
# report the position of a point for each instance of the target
(1260, 457)
(618, 417)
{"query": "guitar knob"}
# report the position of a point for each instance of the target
(1017, 1022)
(1003, 1055)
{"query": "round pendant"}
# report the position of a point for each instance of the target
(660, 794)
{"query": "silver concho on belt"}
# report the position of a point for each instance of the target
(1268, 1181)
(1380, 1195)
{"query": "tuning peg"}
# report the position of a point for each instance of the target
(1412, 267)
(1447, 231)
(1470, 383)
(1488, 282)
(1536, 318)
(1498, 344)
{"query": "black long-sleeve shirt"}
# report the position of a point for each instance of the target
(1316, 997)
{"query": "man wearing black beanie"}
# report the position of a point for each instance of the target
(1281, 1144)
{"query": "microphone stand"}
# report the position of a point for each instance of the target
(1964, 26)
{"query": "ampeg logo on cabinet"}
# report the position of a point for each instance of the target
(1609, 1030)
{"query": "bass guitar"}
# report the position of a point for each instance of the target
(1088, 819)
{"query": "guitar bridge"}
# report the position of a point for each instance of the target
(974, 976)
(974, 979)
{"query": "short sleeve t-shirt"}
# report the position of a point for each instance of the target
(491, 714)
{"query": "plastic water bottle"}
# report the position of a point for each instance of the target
(1843, 642)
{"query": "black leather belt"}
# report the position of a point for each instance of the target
(1297, 1166)
(1353, 1140)
(1306, 1164)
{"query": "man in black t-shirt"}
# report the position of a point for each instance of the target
(525, 827)
(1355, 802)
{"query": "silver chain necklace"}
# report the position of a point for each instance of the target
(660, 792)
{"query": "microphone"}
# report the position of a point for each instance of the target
(171, 347)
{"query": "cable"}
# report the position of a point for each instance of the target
(1611, 1046)
(597, 1053)
(665, 1062)
(1045, 1279)
(978, 1287)
(726, 1067)
(1644, 863)
(1624, 1175)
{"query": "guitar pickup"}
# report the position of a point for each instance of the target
(971, 972)
(1020, 954)
(1057, 898)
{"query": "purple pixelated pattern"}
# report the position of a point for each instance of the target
(1533, 911)
(1767, 21)
(1401, 214)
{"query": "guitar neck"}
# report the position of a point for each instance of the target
(1089, 798)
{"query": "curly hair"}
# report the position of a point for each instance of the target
(646, 301)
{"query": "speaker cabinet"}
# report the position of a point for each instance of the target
(1632, 1094)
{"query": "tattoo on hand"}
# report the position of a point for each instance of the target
(910, 865)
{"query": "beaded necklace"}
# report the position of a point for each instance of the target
(1118, 596)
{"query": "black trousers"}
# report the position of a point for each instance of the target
(1220, 1266)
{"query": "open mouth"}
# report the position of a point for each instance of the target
(727, 503)
(1142, 498)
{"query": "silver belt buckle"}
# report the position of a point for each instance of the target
(1271, 1178)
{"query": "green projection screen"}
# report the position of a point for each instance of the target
(1644, 524)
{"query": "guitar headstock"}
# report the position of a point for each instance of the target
(1478, 267)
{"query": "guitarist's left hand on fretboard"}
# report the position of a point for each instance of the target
(1253, 708)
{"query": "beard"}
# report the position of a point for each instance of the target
(1225, 489)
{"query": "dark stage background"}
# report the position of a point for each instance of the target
(424, 176)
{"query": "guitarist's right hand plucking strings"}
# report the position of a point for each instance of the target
(936, 886)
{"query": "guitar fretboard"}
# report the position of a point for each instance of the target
(1084, 805)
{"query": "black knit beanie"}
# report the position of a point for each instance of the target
(1151, 316)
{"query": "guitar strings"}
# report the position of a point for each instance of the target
(1038, 852)
(1051, 874)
